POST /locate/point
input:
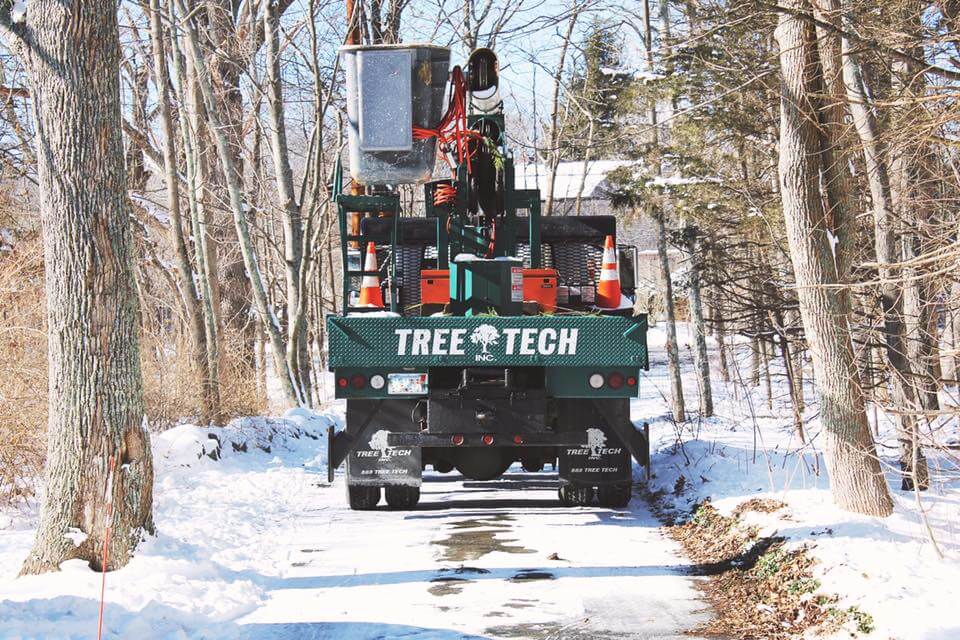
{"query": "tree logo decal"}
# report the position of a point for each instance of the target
(596, 441)
(378, 442)
(486, 335)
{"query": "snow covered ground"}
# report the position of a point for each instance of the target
(886, 567)
(255, 544)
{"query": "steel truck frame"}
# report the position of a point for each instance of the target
(472, 369)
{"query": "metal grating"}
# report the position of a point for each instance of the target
(576, 262)
(409, 264)
(546, 255)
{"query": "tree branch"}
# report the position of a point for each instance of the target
(925, 67)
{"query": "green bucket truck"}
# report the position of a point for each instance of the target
(489, 348)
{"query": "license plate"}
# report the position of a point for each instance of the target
(406, 383)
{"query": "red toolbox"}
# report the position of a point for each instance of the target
(434, 286)
(540, 286)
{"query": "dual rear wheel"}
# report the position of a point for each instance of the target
(366, 498)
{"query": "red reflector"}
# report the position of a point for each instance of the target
(457, 439)
(487, 439)
(342, 383)
(615, 380)
(518, 439)
(358, 381)
(631, 381)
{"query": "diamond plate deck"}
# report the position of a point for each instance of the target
(454, 341)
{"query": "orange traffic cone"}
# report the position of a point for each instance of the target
(370, 294)
(608, 291)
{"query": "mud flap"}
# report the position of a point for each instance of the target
(602, 459)
(371, 460)
(616, 414)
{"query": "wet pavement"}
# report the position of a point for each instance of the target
(500, 559)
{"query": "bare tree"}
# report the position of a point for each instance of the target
(188, 290)
(885, 247)
(293, 392)
(553, 136)
(659, 217)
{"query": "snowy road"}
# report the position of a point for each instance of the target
(257, 545)
(497, 559)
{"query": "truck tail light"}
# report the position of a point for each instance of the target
(487, 439)
(358, 381)
(342, 383)
(631, 381)
(615, 380)
(457, 440)
(595, 381)
(518, 439)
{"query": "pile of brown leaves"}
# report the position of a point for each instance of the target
(758, 587)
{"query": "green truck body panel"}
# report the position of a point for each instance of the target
(559, 382)
(368, 341)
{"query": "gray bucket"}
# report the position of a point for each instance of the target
(390, 89)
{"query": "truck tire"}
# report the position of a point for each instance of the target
(532, 465)
(615, 496)
(575, 495)
(363, 497)
(400, 497)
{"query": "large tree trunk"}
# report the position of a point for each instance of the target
(673, 355)
(225, 60)
(906, 157)
(919, 303)
(72, 52)
(891, 298)
(855, 475)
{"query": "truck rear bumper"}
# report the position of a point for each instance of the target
(384, 446)
(466, 440)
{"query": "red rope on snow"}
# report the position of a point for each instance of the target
(108, 497)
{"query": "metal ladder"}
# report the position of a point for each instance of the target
(389, 203)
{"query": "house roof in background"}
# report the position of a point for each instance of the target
(569, 176)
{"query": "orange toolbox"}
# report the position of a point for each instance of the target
(434, 286)
(540, 285)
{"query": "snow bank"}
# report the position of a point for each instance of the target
(298, 431)
(885, 566)
(221, 495)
